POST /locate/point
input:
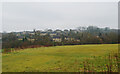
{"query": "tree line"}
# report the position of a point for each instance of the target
(83, 35)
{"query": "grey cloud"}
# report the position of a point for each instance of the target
(27, 16)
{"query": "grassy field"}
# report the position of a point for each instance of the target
(74, 58)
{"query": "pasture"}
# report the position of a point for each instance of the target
(71, 58)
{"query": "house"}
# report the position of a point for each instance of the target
(77, 40)
(32, 40)
(18, 34)
(20, 37)
(69, 39)
(43, 33)
(74, 31)
(37, 32)
(24, 32)
(32, 33)
(97, 36)
(57, 39)
(53, 34)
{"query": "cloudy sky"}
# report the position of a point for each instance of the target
(0, 17)
(20, 16)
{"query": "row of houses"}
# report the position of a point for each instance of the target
(55, 35)
(59, 39)
(54, 38)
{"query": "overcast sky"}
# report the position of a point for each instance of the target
(58, 15)
(0, 17)
(60, 0)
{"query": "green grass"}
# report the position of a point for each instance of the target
(74, 58)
